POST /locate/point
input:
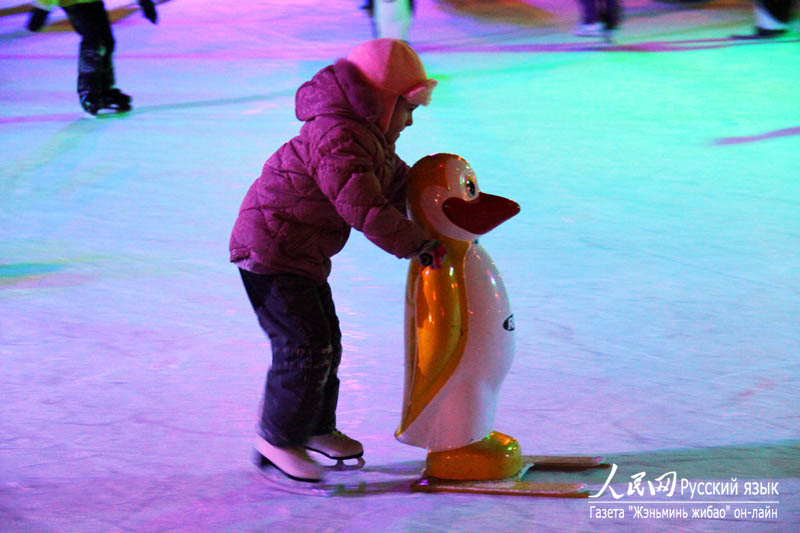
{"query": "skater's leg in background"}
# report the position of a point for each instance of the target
(392, 18)
(611, 13)
(369, 8)
(588, 11)
(771, 19)
(104, 25)
(291, 311)
(773, 14)
(92, 24)
(590, 24)
(330, 396)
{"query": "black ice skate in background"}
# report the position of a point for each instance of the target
(96, 82)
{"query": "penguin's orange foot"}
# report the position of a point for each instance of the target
(496, 456)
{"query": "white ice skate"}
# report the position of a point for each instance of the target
(292, 461)
(339, 447)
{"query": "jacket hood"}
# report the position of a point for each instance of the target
(339, 89)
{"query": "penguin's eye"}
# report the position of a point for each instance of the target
(470, 185)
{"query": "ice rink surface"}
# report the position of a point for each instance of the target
(654, 269)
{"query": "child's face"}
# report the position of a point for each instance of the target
(401, 119)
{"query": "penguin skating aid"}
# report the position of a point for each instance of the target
(459, 344)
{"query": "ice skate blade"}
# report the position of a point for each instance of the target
(516, 486)
(513, 486)
(355, 456)
(340, 461)
(277, 480)
(503, 487)
(565, 462)
(341, 466)
(106, 113)
(262, 462)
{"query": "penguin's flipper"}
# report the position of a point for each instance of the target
(435, 318)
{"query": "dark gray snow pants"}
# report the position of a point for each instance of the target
(302, 388)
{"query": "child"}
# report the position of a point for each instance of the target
(341, 171)
(95, 67)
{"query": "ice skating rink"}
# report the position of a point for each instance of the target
(654, 270)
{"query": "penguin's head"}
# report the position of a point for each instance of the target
(443, 197)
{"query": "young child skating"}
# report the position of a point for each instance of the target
(340, 172)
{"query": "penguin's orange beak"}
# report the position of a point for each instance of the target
(480, 215)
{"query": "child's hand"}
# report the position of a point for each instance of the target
(432, 254)
(37, 19)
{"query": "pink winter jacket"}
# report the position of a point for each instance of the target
(338, 173)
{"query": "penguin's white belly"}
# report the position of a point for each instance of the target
(490, 341)
(463, 410)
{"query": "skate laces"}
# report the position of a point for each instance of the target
(336, 434)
